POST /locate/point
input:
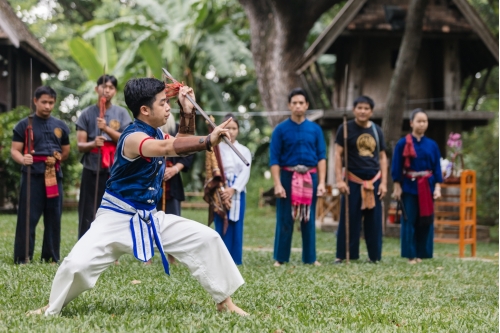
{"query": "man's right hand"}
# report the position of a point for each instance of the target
(279, 191)
(27, 159)
(396, 193)
(342, 187)
(99, 141)
(219, 132)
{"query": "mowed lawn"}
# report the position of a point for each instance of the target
(445, 294)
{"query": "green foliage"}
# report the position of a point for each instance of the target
(10, 171)
(481, 155)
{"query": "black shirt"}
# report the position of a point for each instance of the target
(49, 135)
(361, 146)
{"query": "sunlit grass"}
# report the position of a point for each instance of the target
(445, 294)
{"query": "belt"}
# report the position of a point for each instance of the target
(302, 169)
(143, 226)
(416, 174)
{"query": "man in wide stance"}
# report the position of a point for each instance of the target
(127, 221)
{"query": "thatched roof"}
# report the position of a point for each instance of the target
(14, 32)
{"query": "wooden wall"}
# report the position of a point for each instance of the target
(371, 65)
(15, 86)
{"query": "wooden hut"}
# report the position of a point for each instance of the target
(366, 35)
(17, 47)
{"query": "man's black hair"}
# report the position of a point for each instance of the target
(139, 92)
(107, 78)
(230, 115)
(414, 113)
(364, 99)
(45, 90)
(298, 91)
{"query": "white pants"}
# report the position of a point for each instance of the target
(191, 243)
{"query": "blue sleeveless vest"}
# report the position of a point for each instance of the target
(137, 180)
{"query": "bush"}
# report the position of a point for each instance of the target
(481, 155)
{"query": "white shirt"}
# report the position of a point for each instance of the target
(236, 172)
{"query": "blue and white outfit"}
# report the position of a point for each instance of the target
(237, 175)
(127, 223)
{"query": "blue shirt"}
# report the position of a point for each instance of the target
(293, 144)
(428, 158)
(137, 180)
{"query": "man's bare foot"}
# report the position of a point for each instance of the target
(40, 311)
(317, 263)
(277, 264)
(117, 262)
(149, 262)
(412, 261)
(228, 305)
(419, 260)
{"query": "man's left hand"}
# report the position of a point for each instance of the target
(321, 190)
(169, 173)
(382, 190)
(187, 106)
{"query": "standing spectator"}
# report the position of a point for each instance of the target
(298, 168)
(88, 128)
(49, 146)
(367, 182)
(416, 171)
(237, 175)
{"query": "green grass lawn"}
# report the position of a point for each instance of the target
(445, 294)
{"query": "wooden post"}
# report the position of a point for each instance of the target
(451, 75)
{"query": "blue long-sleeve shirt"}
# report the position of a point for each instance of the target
(293, 144)
(428, 158)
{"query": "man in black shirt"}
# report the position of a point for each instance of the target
(367, 181)
(50, 146)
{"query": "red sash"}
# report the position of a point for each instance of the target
(52, 164)
(107, 154)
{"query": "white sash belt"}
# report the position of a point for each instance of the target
(143, 226)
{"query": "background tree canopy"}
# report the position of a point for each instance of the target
(210, 45)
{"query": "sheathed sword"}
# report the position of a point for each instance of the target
(207, 118)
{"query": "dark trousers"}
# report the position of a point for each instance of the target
(372, 225)
(86, 209)
(39, 204)
(172, 206)
(233, 238)
(284, 224)
(417, 241)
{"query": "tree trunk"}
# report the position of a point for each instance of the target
(405, 64)
(279, 29)
(392, 120)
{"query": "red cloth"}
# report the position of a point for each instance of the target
(409, 151)
(107, 154)
(302, 193)
(425, 202)
(51, 188)
(167, 183)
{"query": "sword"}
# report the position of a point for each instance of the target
(207, 118)
(346, 196)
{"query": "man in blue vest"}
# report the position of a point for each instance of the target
(127, 220)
